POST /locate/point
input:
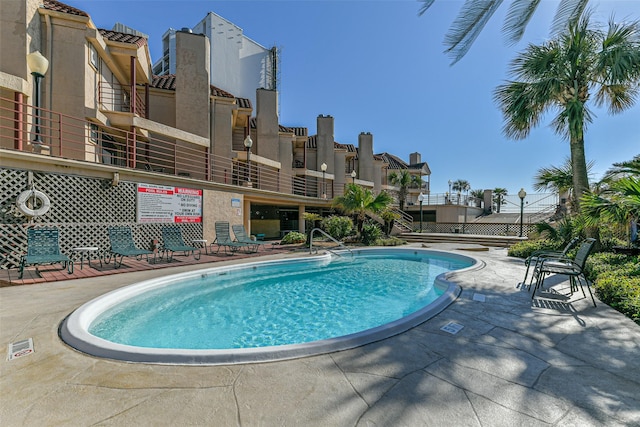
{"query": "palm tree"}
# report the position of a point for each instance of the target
(478, 196)
(621, 169)
(498, 197)
(557, 178)
(460, 185)
(403, 179)
(561, 75)
(360, 201)
(475, 14)
(619, 203)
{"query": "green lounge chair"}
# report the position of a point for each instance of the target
(242, 237)
(172, 241)
(122, 245)
(43, 247)
(223, 239)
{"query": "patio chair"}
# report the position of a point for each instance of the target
(172, 241)
(574, 268)
(538, 256)
(122, 245)
(223, 239)
(43, 247)
(242, 237)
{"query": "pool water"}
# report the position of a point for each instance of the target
(278, 304)
(268, 310)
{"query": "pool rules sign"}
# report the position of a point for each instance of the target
(160, 203)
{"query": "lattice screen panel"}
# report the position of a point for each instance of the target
(82, 208)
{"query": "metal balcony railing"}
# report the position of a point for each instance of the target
(72, 138)
(117, 97)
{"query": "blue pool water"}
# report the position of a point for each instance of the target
(267, 310)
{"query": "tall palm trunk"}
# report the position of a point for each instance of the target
(579, 170)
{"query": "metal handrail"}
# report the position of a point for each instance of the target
(340, 244)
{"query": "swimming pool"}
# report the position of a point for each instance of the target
(267, 310)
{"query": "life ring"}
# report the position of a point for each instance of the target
(23, 198)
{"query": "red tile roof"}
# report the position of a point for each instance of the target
(61, 7)
(117, 36)
(244, 102)
(393, 161)
(164, 82)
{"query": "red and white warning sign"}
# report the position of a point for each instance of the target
(20, 348)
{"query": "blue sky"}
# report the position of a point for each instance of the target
(376, 66)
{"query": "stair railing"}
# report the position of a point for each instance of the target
(340, 244)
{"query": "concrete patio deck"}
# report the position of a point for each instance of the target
(553, 361)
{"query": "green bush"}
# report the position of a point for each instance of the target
(604, 262)
(620, 292)
(390, 241)
(293, 237)
(527, 247)
(338, 227)
(370, 234)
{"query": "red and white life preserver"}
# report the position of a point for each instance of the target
(23, 198)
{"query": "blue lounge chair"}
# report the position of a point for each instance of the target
(122, 245)
(43, 247)
(242, 237)
(172, 241)
(223, 239)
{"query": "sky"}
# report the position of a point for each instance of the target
(376, 66)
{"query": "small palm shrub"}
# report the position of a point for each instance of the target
(370, 234)
(338, 227)
(293, 237)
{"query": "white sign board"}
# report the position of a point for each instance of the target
(159, 203)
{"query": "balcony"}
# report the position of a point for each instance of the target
(181, 154)
(117, 98)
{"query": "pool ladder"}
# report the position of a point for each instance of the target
(340, 244)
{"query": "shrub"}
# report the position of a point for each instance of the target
(527, 247)
(293, 237)
(338, 227)
(604, 262)
(390, 241)
(370, 234)
(620, 292)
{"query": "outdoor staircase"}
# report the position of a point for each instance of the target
(404, 224)
(479, 239)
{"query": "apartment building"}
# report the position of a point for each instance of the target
(237, 63)
(95, 127)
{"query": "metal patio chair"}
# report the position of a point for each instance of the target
(122, 245)
(224, 240)
(43, 247)
(172, 241)
(574, 268)
(538, 256)
(242, 237)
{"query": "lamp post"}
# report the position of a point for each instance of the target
(522, 194)
(353, 176)
(248, 142)
(38, 65)
(323, 167)
(421, 199)
(450, 186)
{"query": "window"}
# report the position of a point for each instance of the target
(93, 57)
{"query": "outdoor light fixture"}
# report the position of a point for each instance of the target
(323, 167)
(353, 176)
(522, 194)
(248, 143)
(38, 65)
(450, 186)
(421, 199)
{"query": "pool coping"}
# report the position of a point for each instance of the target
(73, 329)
